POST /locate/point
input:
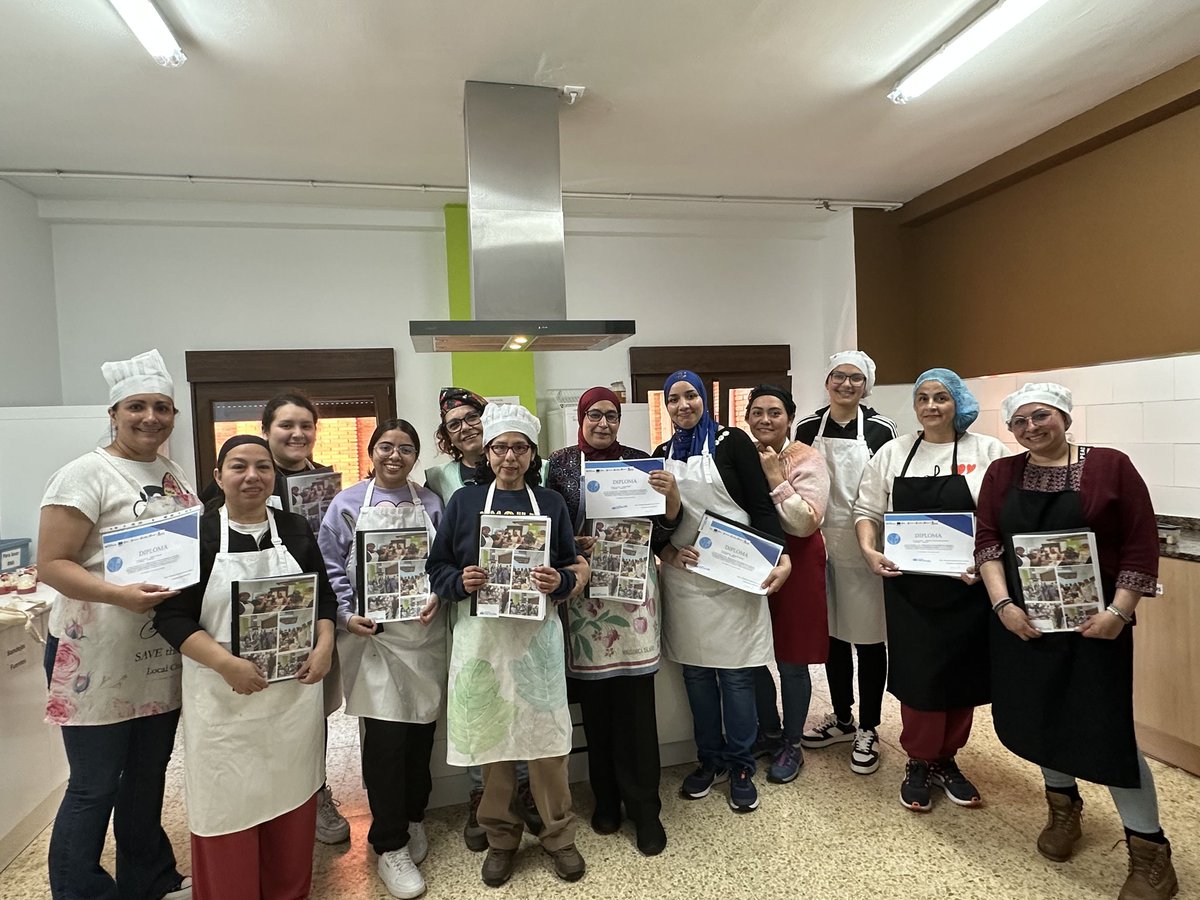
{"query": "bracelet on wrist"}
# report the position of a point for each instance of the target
(1120, 614)
(1000, 604)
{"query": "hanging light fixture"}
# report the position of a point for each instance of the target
(973, 39)
(148, 26)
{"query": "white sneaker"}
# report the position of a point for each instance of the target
(400, 875)
(332, 827)
(418, 842)
(864, 758)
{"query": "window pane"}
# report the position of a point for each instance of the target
(660, 424)
(738, 401)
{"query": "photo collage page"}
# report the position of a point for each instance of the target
(392, 584)
(510, 548)
(309, 495)
(276, 623)
(620, 560)
(1060, 580)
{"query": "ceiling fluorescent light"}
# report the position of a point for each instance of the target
(971, 40)
(148, 27)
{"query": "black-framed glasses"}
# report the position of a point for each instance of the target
(471, 419)
(1020, 423)
(612, 417)
(518, 450)
(387, 449)
(855, 379)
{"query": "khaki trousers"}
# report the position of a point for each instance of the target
(551, 793)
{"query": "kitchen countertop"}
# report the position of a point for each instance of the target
(1188, 547)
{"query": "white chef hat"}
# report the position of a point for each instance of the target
(146, 373)
(857, 358)
(500, 418)
(1047, 392)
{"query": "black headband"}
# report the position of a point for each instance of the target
(236, 441)
(770, 390)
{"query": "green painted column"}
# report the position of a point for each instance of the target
(490, 374)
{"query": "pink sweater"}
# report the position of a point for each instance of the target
(801, 500)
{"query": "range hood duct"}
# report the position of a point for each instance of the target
(514, 207)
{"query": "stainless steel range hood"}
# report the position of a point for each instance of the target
(514, 207)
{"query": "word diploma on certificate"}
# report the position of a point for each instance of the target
(734, 554)
(164, 550)
(621, 488)
(930, 543)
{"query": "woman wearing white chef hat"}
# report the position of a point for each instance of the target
(118, 715)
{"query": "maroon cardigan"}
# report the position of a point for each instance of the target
(1116, 504)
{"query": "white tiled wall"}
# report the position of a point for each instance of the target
(1150, 409)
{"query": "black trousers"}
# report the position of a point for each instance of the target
(872, 677)
(622, 736)
(395, 765)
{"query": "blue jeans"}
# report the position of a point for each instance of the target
(117, 771)
(796, 686)
(723, 697)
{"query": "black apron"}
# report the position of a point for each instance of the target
(936, 626)
(1062, 701)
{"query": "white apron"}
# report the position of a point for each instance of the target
(508, 687)
(706, 623)
(399, 675)
(112, 665)
(855, 594)
(248, 759)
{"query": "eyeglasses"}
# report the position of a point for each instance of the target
(471, 419)
(1020, 423)
(840, 377)
(612, 417)
(518, 450)
(385, 450)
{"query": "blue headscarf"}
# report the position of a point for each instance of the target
(966, 407)
(687, 442)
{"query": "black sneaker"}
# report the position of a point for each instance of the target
(946, 775)
(914, 790)
(700, 782)
(527, 809)
(828, 732)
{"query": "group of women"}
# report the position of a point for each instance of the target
(254, 767)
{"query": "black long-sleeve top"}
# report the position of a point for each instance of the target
(178, 618)
(457, 543)
(737, 463)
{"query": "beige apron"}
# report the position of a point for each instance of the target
(855, 594)
(399, 675)
(112, 665)
(706, 623)
(508, 687)
(248, 759)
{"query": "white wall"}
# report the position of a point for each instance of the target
(227, 276)
(1150, 409)
(29, 373)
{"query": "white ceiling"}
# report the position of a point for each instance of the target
(774, 97)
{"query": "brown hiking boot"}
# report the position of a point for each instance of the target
(1057, 840)
(498, 867)
(568, 863)
(1151, 875)
(473, 834)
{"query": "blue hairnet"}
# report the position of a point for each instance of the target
(966, 407)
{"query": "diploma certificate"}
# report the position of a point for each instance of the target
(734, 554)
(620, 488)
(164, 550)
(930, 543)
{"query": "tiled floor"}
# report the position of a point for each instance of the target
(830, 834)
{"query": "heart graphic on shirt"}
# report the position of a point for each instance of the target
(966, 468)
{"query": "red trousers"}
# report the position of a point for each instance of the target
(934, 734)
(271, 861)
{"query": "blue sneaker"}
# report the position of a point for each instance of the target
(786, 763)
(700, 782)
(743, 795)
